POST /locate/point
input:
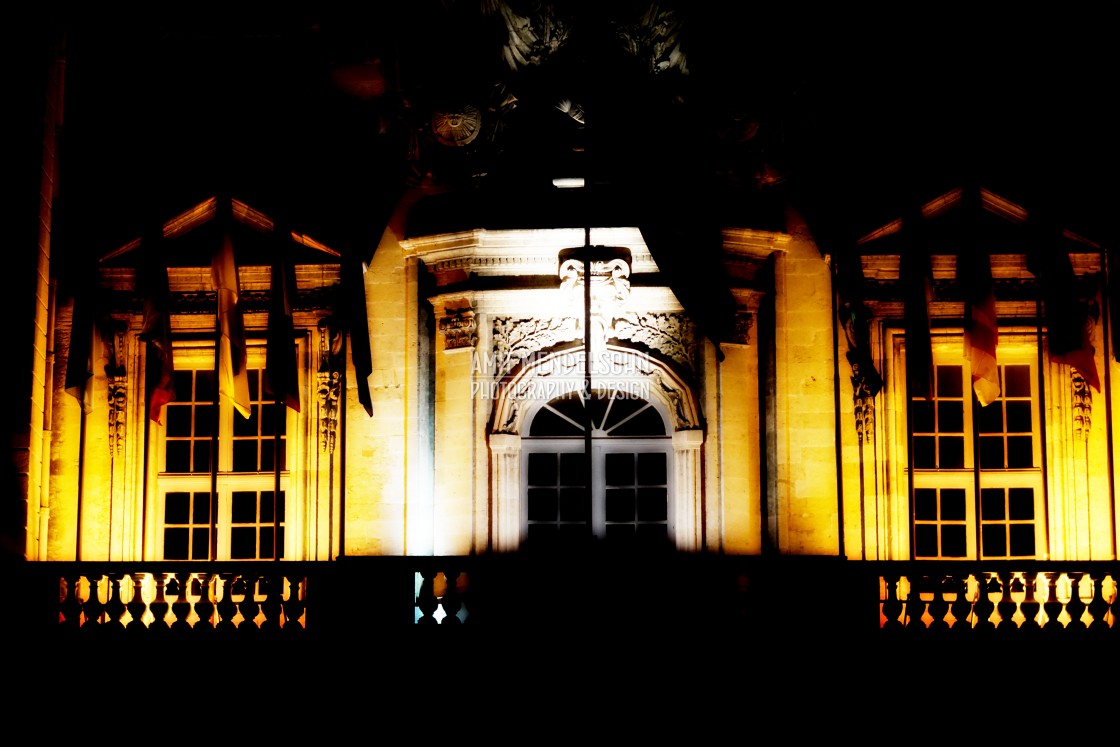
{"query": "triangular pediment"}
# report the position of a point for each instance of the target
(190, 238)
(999, 226)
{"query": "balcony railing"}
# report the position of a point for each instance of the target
(1011, 600)
(790, 596)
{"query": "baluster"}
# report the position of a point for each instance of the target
(1114, 578)
(272, 586)
(938, 607)
(891, 607)
(180, 586)
(1098, 607)
(1052, 606)
(426, 600)
(114, 607)
(204, 607)
(225, 607)
(70, 606)
(294, 607)
(159, 607)
(1075, 607)
(1030, 607)
(93, 608)
(915, 607)
(246, 588)
(451, 601)
(984, 608)
(137, 607)
(1006, 606)
(961, 606)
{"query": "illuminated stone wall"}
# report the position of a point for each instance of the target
(804, 403)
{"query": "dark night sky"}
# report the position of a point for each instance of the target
(867, 110)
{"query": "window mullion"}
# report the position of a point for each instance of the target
(973, 416)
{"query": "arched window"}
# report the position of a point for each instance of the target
(626, 499)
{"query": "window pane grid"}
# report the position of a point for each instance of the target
(940, 523)
(200, 436)
(1006, 425)
(948, 520)
(186, 533)
(1007, 526)
(254, 447)
(190, 423)
(636, 495)
(253, 524)
(558, 498)
(939, 424)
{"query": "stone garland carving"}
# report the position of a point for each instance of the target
(328, 381)
(1082, 404)
(459, 329)
(116, 374)
(672, 335)
(864, 406)
(517, 339)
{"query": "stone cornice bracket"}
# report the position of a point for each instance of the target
(741, 333)
(458, 326)
(1082, 404)
(328, 383)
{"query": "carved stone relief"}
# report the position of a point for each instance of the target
(672, 335)
(610, 293)
(517, 339)
(459, 328)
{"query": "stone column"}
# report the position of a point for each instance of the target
(687, 491)
(505, 462)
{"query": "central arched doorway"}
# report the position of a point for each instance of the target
(625, 502)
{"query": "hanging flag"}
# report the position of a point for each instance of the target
(233, 376)
(281, 372)
(79, 364)
(981, 327)
(1111, 257)
(981, 333)
(856, 320)
(156, 330)
(916, 274)
(357, 324)
(1067, 316)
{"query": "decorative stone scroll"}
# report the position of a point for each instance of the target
(677, 407)
(1082, 404)
(328, 382)
(459, 328)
